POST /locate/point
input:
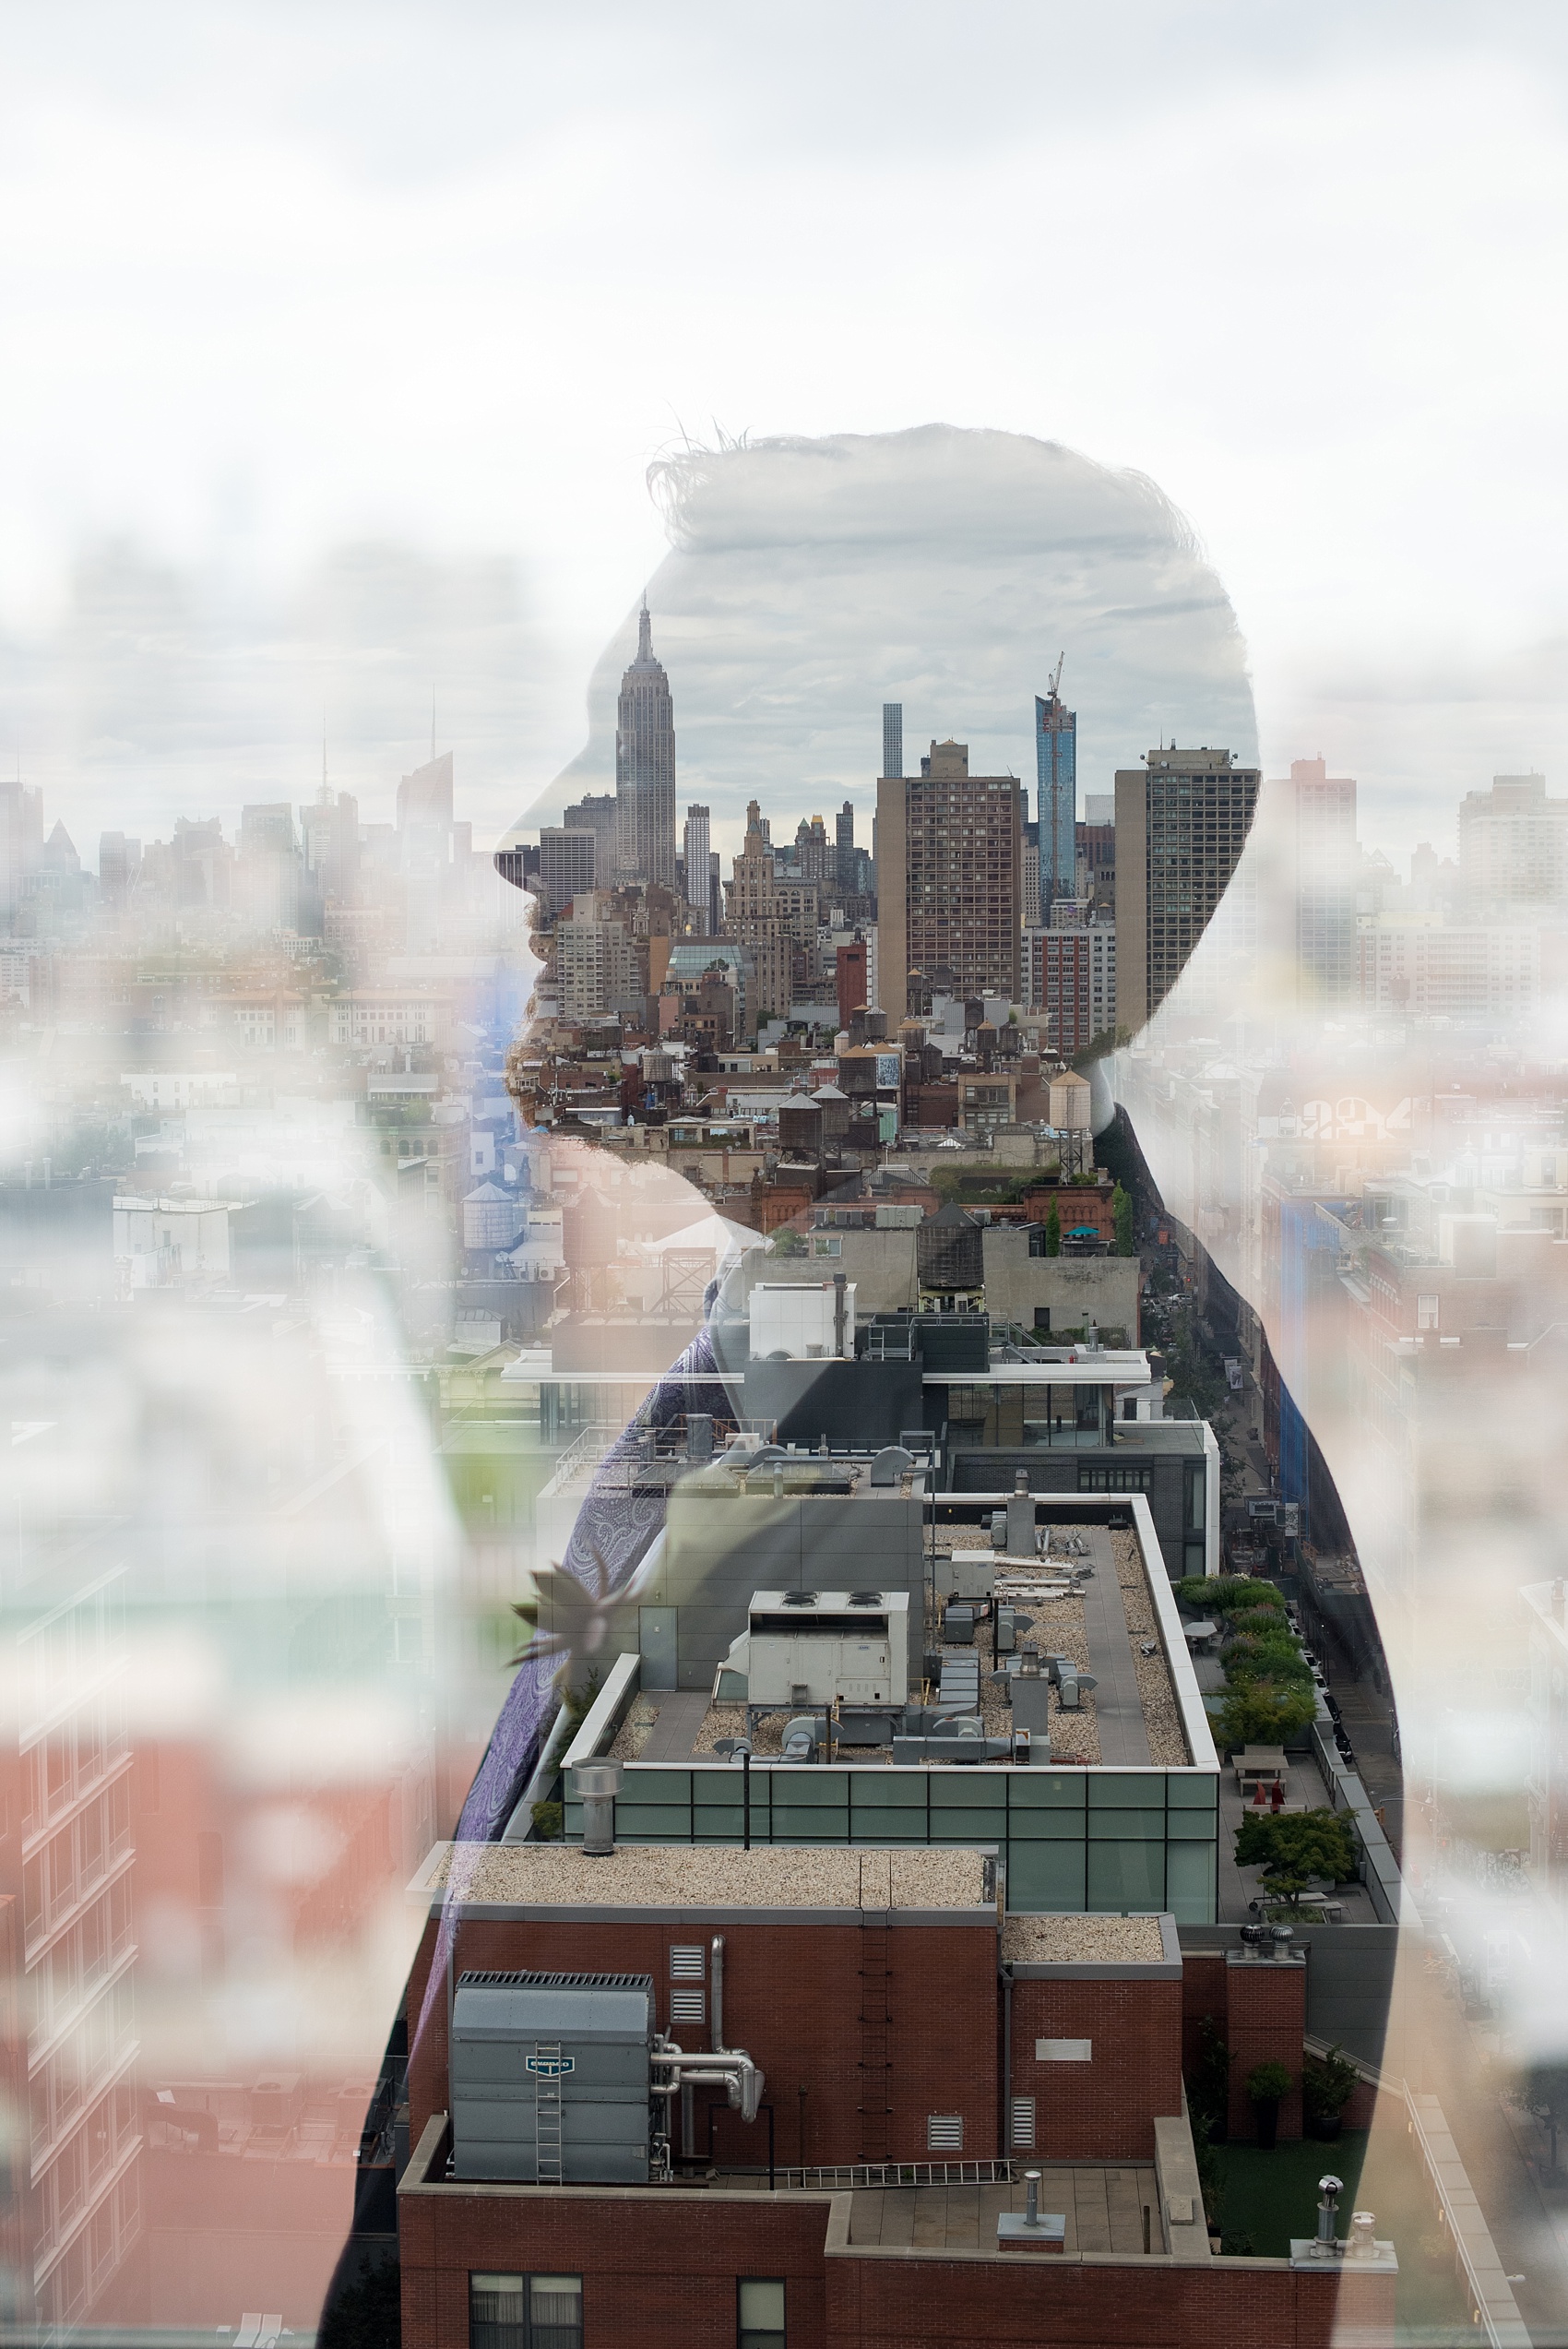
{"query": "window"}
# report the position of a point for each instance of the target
(1112, 1480)
(1426, 1313)
(524, 2312)
(1023, 2124)
(944, 2133)
(759, 2312)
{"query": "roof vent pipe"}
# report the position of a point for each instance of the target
(840, 1282)
(598, 1783)
(1330, 2188)
(717, 1992)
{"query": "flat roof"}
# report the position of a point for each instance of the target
(685, 1877)
(1118, 1623)
(1084, 1940)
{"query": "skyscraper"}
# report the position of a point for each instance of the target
(1323, 809)
(697, 851)
(949, 846)
(844, 842)
(1512, 847)
(644, 767)
(1056, 766)
(1181, 822)
(892, 737)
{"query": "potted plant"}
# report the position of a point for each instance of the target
(1328, 2082)
(1267, 2083)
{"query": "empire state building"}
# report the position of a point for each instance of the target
(645, 767)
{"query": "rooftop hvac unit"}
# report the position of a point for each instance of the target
(849, 1646)
(549, 2078)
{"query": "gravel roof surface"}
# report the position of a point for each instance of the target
(714, 1875)
(1083, 1940)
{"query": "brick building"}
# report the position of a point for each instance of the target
(897, 2016)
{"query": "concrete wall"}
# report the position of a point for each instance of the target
(1052, 1470)
(719, 1547)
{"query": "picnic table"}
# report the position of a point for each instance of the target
(1265, 1763)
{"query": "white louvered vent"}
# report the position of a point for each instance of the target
(1023, 2124)
(686, 1962)
(687, 2007)
(944, 2133)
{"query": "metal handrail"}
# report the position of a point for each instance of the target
(899, 2174)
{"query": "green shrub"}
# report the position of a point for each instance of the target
(1258, 1712)
(1294, 1846)
(1267, 2081)
(1269, 1659)
(549, 1820)
(1222, 1595)
(1328, 2082)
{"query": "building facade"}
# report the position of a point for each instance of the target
(1182, 823)
(1513, 846)
(1323, 830)
(644, 767)
(1056, 768)
(950, 860)
(568, 865)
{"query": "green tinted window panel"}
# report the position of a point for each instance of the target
(1126, 1876)
(1191, 1827)
(1126, 1791)
(809, 1827)
(966, 1827)
(1047, 1790)
(968, 1788)
(888, 1826)
(1045, 1827)
(811, 1789)
(1045, 1875)
(1185, 1793)
(656, 1786)
(641, 1821)
(1191, 1882)
(1117, 1827)
(726, 1793)
(888, 1790)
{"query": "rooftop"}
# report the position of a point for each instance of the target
(1084, 1940)
(688, 1877)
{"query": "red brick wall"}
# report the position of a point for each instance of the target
(1267, 2017)
(1104, 2110)
(929, 2304)
(658, 2270)
(1202, 1993)
(792, 1999)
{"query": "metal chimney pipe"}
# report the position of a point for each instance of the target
(1031, 2197)
(839, 1281)
(717, 1993)
(598, 1783)
(1330, 2188)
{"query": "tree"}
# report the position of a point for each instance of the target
(1053, 1231)
(1293, 1847)
(1256, 1712)
(1121, 1215)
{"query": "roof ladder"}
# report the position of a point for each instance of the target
(547, 2112)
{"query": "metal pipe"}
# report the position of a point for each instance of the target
(718, 1992)
(1031, 2197)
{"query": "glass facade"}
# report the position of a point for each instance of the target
(1000, 1414)
(1069, 1839)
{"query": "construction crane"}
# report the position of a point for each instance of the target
(1056, 680)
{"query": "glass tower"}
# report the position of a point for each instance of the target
(1056, 765)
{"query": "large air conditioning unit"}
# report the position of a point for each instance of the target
(825, 1647)
(551, 2078)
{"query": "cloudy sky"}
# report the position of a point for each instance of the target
(341, 339)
